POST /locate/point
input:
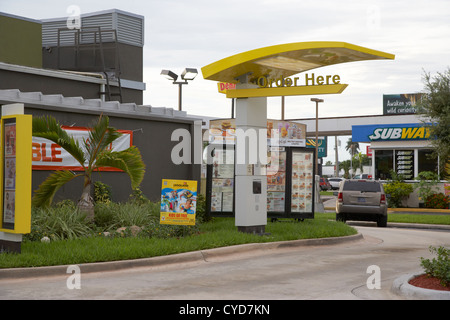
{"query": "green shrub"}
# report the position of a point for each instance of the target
(427, 183)
(440, 267)
(58, 223)
(200, 209)
(64, 221)
(398, 191)
(437, 201)
(110, 216)
(138, 197)
(102, 192)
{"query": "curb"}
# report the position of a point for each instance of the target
(394, 210)
(195, 256)
(426, 210)
(401, 287)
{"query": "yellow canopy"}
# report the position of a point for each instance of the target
(288, 59)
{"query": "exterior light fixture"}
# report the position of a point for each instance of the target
(187, 74)
(316, 100)
(169, 75)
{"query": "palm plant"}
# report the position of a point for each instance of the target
(92, 154)
(352, 147)
(345, 165)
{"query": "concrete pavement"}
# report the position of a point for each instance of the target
(329, 203)
(325, 269)
(330, 268)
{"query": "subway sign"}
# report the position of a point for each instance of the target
(390, 132)
(400, 134)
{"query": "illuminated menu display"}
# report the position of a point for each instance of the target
(9, 173)
(404, 163)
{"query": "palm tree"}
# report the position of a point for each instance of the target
(353, 147)
(92, 154)
(345, 165)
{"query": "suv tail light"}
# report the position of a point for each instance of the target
(340, 198)
(383, 199)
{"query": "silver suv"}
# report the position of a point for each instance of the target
(362, 200)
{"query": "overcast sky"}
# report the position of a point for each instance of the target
(195, 33)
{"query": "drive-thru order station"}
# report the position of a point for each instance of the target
(267, 72)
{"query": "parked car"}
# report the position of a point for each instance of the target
(324, 184)
(334, 182)
(363, 176)
(362, 200)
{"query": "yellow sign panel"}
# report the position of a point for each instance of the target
(286, 60)
(15, 172)
(178, 202)
(286, 91)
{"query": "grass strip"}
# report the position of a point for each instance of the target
(218, 233)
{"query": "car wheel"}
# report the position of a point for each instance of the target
(340, 217)
(382, 222)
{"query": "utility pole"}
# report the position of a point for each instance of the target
(336, 146)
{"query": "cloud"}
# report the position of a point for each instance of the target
(195, 33)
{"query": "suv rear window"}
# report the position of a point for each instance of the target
(366, 186)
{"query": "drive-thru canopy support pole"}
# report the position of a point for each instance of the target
(251, 150)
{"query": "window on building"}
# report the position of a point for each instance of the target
(426, 161)
(384, 162)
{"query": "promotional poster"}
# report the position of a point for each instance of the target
(178, 202)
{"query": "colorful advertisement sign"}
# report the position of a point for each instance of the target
(178, 202)
(400, 103)
(15, 173)
(47, 155)
(290, 134)
(9, 205)
(311, 143)
(390, 132)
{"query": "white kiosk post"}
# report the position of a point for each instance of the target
(250, 158)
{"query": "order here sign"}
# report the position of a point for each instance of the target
(47, 155)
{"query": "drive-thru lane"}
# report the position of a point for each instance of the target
(336, 271)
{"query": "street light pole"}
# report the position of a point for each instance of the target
(180, 86)
(188, 74)
(316, 100)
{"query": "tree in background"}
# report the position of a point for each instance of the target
(435, 105)
(345, 165)
(92, 154)
(360, 160)
(353, 148)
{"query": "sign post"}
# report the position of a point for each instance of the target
(15, 177)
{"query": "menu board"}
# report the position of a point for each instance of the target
(9, 170)
(290, 180)
(287, 133)
(222, 188)
(276, 180)
(302, 182)
(404, 163)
